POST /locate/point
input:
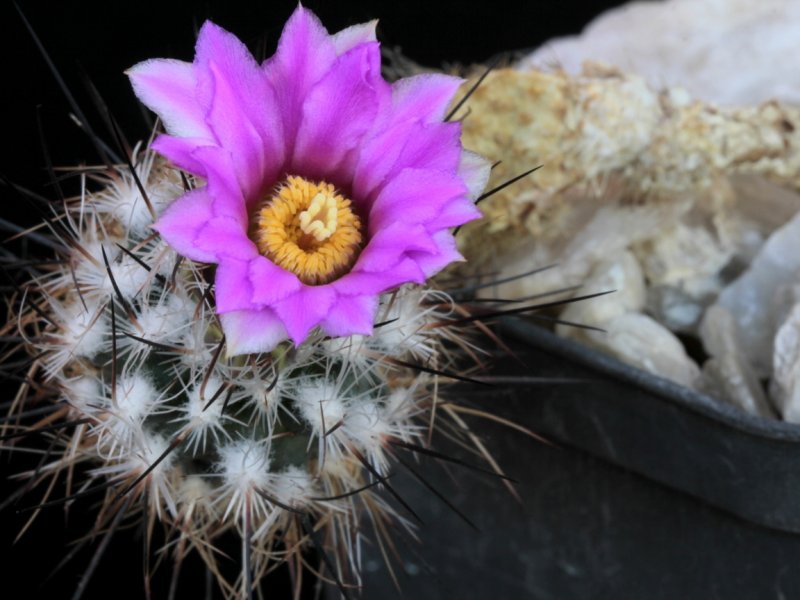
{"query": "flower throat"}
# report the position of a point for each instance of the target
(308, 229)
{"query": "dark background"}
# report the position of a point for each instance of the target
(100, 40)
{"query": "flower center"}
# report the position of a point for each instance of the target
(308, 229)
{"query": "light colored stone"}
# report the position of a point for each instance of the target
(723, 51)
(641, 341)
(785, 385)
(727, 375)
(622, 275)
(682, 267)
(675, 308)
(752, 297)
(682, 255)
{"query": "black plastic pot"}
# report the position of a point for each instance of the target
(649, 490)
(740, 463)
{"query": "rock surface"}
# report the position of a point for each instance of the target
(785, 387)
(728, 375)
(723, 51)
(753, 297)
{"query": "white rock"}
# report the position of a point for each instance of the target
(641, 341)
(683, 254)
(723, 51)
(785, 385)
(682, 266)
(751, 297)
(594, 233)
(727, 374)
(621, 274)
(674, 307)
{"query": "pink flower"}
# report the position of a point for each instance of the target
(325, 185)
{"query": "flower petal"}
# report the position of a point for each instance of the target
(180, 151)
(305, 53)
(305, 309)
(405, 270)
(446, 253)
(475, 171)
(351, 37)
(388, 246)
(415, 196)
(270, 282)
(183, 219)
(407, 145)
(167, 87)
(233, 288)
(240, 108)
(250, 283)
(455, 213)
(338, 112)
(423, 97)
(190, 226)
(251, 331)
(351, 315)
(222, 183)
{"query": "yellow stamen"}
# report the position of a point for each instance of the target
(319, 219)
(308, 229)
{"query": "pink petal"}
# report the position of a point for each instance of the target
(241, 108)
(222, 182)
(207, 224)
(338, 111)
(167, 87)
(244, 284)
(415, 196)
(270, 282)
(304, 310)
(251, 331)
(233, 290)
(189, 226)
(405, 270)
(180, 152)
(446, 253)
(407, 145)
(305, 53)
(224, 237)
(351, 37)
(434, 146)
(423, 97)
(475, 171)
(351, 315)
(455, 213)
(388, 245)
(181, 221)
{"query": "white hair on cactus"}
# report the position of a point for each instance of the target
(319, 403)
(123, 201)
(244, 468)
(203, 413)
(137, 455)
(135, 399)
(407, 319)
(351, 349)
(83, 332)
(84, 393)
(293, 487)
(165, 321)
(262, 390)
